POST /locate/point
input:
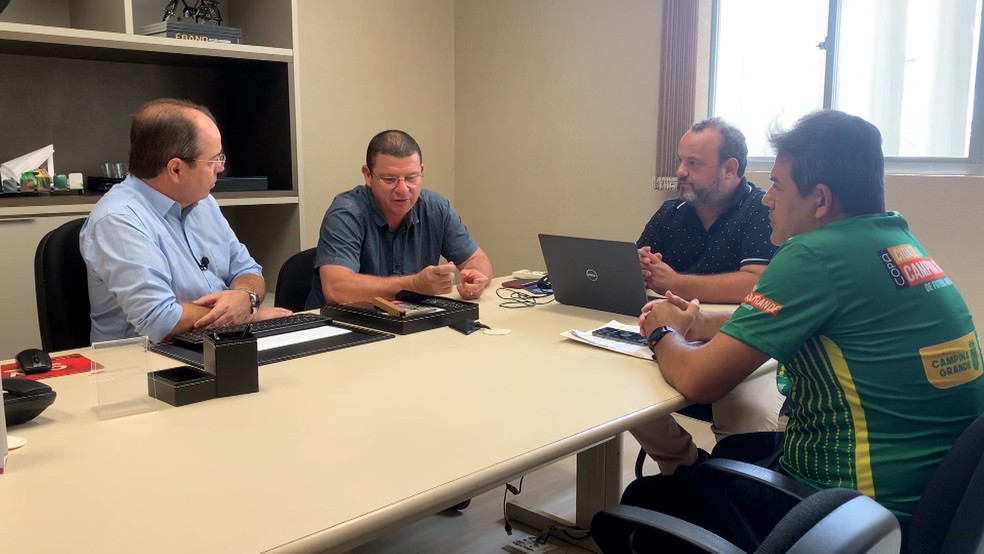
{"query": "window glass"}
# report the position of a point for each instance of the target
(767, 68)
(909, 68)
(906, 66)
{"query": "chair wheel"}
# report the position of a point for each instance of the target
(461, 505)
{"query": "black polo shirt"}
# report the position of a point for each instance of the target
(738, 237)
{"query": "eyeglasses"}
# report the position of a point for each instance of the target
(218, 159)
(390, 180)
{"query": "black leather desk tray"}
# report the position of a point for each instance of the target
(356, 336)
(423, 312)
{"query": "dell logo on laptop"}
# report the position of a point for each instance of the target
(591, 274)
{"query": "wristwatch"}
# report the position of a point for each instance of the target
(254, 299)
(657, 335)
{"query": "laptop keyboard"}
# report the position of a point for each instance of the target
(193, 340)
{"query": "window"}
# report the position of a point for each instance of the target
(908, 66)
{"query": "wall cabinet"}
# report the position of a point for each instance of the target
(75, 70)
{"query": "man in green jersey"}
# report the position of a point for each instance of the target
(878, 355)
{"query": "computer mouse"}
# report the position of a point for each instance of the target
(33, 361)
(544, 283)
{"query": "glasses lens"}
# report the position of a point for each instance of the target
(391, 180)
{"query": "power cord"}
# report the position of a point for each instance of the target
(518, 298)
(543, 537)
(515, 491)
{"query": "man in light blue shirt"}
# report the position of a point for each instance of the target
(161, 258)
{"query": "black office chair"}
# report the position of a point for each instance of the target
(832, 520)
(949, 517)
(294, 281)
(950, 514)
(62, 291)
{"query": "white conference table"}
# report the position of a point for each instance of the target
(334, 450)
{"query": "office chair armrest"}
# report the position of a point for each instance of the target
(715, 479)
(615, 530)
(722, 472)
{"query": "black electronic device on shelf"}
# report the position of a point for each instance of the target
(100, 185)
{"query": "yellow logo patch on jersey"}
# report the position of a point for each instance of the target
(954, 362)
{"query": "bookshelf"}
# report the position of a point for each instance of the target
(74, 71)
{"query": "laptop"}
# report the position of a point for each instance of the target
(598, 274)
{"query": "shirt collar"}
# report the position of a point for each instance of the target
(160, 202)
(741, 191)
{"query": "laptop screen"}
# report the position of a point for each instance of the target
(598, 274)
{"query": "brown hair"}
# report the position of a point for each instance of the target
(160, 130)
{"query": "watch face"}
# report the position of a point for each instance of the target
(254, 299)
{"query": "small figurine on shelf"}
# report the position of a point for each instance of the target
(205, 12)
(36, 180)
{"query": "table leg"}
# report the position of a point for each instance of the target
(599, 485)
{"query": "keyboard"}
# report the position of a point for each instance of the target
(193, 340)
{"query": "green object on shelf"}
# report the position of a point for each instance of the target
(28, 181)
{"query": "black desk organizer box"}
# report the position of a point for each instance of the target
(231, 368)
(454, 311)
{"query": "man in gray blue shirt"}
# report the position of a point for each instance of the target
(161, 258)
(389, 235)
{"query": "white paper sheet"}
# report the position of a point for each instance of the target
(609, 344)
(296, 337)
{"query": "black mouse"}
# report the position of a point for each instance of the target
(33, 361)
(544, 283)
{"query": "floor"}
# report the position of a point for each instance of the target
(479, 529)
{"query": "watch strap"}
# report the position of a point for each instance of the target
(658, 334)
(254, 299)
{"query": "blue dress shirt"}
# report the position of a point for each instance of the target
(145, 254)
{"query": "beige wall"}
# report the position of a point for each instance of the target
(365, 66)
(555, 128)
(945, 215)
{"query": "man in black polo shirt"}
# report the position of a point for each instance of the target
(711, 243)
